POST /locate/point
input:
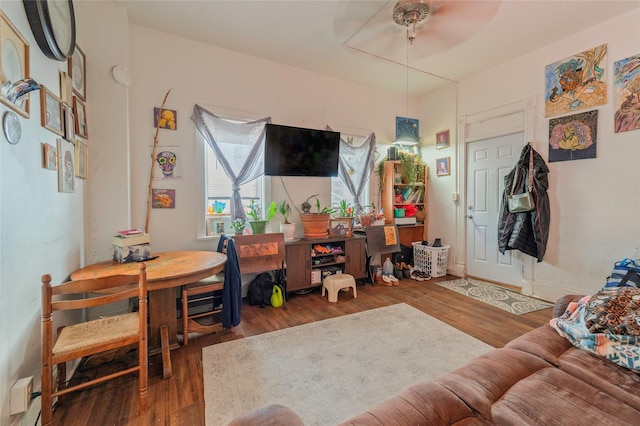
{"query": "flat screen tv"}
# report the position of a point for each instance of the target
(295, 151)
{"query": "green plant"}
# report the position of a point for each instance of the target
(271, 211)
(284, 211)
(345, 209)
(238, 224)
(306, 206)
(409, 163)
(254, 210)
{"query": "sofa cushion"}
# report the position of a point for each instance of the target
(425, 403)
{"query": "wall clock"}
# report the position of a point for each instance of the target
(11, 127)
(53, 24)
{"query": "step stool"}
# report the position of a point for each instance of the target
(334, 283)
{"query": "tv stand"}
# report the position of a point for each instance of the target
(306, 265)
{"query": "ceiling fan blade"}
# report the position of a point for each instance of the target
(452, 23)
(448, 24)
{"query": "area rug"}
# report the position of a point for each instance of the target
(510, 301)
(330, 370)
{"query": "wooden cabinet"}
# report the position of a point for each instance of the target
(398, 193)
(356, 254)
(307, 259)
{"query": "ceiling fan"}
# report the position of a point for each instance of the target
(432, 26)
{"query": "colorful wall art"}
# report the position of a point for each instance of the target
(573, 137)
(626, 85)
(576, 83)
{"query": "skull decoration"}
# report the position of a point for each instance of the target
(167, 162)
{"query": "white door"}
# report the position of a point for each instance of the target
(488, 162)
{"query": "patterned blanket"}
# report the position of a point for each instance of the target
(624, 350)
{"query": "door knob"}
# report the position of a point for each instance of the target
(470, 216)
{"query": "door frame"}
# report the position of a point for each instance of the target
(507, 119)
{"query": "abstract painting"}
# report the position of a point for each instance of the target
(167, 164)
(573, 137)
(626, 85)
(407, 129)
(576, 83)
(164, 199)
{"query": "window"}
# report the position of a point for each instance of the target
(218, 195)
(339, 189)
(217, 191)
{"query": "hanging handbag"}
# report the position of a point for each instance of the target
(519, 203)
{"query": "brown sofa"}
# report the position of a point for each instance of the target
(537, 379)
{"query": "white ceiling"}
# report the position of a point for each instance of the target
(357, 40)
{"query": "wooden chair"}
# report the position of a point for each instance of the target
(255, 253)
(87, 338)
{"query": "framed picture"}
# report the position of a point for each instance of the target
(167, 119)
(14, 64)
(164, 199)
(66, 88)
(69, 123)
(66, 166)
(51, 112)
(442, 166)
(340, 227)
(80, 112)
(49, 156)
(77, 69)
(82, 152)
(442, 140)
(407, 129)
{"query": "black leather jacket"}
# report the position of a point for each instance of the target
(528, 231)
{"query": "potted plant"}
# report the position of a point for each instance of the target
(238, 226)
(257, 223)
(408, 167)
(284, 212)
(315, 224)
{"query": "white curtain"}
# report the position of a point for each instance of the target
(355, 165)
(239, 147)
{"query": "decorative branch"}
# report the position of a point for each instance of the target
(153, 159)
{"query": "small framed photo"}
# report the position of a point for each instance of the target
(77, 69)
(442, 139)
(442, 166)
(340, 227)
(66, 166)
(69, 123)
(49, 156)
(164, 199)
(51, 113)
(80, 111)
(14, 65)
(66, 88)
(82, 153)
(167, 119)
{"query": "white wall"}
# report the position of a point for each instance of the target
(595, 202)
(230, 83)
(42, 229)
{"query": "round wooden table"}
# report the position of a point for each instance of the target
(164, 273)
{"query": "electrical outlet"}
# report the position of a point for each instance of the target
(21, 395)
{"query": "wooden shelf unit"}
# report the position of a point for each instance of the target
(407, 233)
(300, 262)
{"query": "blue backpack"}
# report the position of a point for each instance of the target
(626, 273)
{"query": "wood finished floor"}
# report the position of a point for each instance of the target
(179, 399)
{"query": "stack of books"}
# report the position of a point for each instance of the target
(131, 245)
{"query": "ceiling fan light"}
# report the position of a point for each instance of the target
(407, 12)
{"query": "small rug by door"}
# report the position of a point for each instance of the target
(330, 370)
(508, 300)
